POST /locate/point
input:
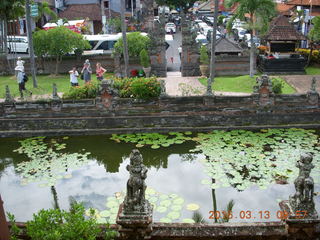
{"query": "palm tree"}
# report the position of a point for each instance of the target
(44, 9)
(124, 37)
(262, 10)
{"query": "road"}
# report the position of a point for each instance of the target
(173, 58)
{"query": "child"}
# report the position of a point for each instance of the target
(74, 77)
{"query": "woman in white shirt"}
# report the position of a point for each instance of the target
(74, 77)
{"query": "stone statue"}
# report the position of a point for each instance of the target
(314, 85)
(135, 202)
(163, 88)
(302, 200)
(55, 92)
(107, 87)
(9, 98)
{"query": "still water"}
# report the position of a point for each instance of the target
(174, 181)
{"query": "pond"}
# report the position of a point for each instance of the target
(188, 173)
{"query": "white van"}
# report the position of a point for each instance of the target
(18, 44)
(103, 43)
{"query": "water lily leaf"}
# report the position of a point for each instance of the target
(188, 220)
(165, 220)
(173, 215)
(176, 207)
(193, 207)
(161, 209)
(165, 203)
(178, 201)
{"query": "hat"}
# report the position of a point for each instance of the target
(87, 61)
(19, 58)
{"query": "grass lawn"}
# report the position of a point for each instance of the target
(313, 70)
(44, 84)
(240, 84)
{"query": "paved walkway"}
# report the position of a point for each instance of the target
(302, 83)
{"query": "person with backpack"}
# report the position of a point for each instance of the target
(22, 78)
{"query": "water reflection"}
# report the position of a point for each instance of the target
(172, 170)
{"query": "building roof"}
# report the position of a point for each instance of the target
(74, 2)
(73, 12)
(304, 2)
(282, 30)
(209, 6)
(224, 45)
(284, 8)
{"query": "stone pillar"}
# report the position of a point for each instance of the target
(163, 88)
(135, 213)
(9, 103)
(263, 94)
(107, 94)
(56, 103)
(312, 94)
(301, 204)
(305, 229)
(158, 48)
(148, 14)
(4, 229)
(190, 57)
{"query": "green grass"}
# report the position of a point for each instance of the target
(313, 70)
(44, 84)
(240, 84)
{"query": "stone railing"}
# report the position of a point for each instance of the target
(109, 113)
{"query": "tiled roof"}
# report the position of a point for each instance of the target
(207, 6)
(224, 45)
(282, 30)
(284, 8)
(304, 2)
(91, 11)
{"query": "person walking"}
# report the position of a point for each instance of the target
(22, 78)
(100, 71)
(86, 71)
(74, 77)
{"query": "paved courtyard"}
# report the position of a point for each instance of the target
(302, 83)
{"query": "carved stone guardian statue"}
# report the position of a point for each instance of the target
(313, 95)
(263, 92)
(302, 203)
(135, 213)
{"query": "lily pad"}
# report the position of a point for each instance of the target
(193, 207)
(188, 220)
(173, 215)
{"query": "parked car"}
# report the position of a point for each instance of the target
(18, 44)
(209, 34)
(239, 34)
(256, 40)
(202, 39)
(170, 27)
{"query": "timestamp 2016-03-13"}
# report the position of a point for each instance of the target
(248, 214)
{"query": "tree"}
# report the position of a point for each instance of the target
(57, 42)
(44, 9)
(9, 10)
(314, 36)
(136, 43)
(183, 4)
(260, 12)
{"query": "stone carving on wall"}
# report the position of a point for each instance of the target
(56, 103)
(107, 92)
(9, 103)
(262, 92)
(190, 49)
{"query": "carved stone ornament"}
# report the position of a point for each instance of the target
(9, 98)
(302, 200)
(135, 202)
(55, 92)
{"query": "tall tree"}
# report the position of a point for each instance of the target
(9, 10)
(259, 13)
(44, 9)
(314, 36)
(183, 4)
(124, 37)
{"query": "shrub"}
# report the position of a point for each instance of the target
(144, 58)
(136, 43)
(57, 224)
(315, 58)
(88, 90)
(204, 57)
(277, 85)
(140, 88)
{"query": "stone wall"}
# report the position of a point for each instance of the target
(180, 113)
(232, 65)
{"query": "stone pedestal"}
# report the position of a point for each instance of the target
(135, 226)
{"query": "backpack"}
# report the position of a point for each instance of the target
(25, 78)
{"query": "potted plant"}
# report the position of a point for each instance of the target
(145, 62)
(204, 61)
